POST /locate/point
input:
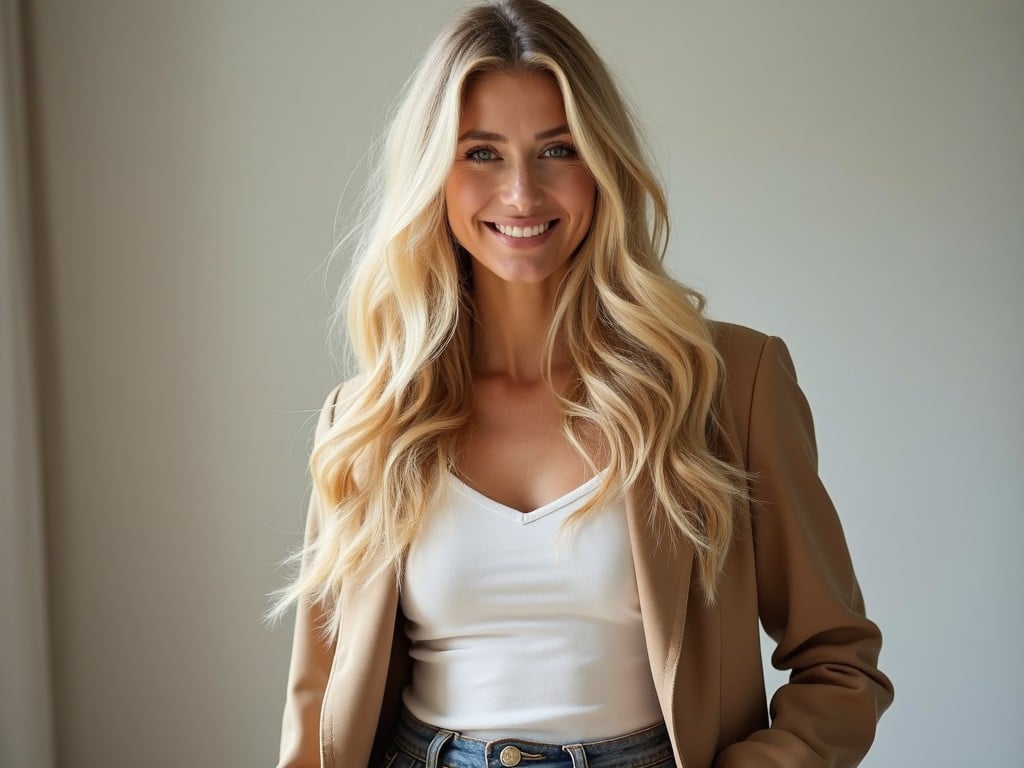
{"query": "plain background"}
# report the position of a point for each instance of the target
(848, 176)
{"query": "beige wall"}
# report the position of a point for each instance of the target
(846, 175)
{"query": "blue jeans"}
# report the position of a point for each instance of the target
(418, 745)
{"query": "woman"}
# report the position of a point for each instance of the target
(555, 501)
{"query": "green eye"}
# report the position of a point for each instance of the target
(481, 155)
(561, 151)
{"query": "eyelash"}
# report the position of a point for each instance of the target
(570, 153)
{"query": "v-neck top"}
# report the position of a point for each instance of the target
(571, 498)
(520, 628)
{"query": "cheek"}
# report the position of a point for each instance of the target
(465, 195)
(578, 192)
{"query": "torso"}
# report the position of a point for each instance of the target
(514, 450)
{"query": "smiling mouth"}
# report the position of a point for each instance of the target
(522, 233)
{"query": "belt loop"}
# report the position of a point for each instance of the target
(579, 757)
(436, 745)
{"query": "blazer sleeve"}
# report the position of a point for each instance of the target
(808, 597)
(311, 658)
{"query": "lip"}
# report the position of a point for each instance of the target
(523, 242)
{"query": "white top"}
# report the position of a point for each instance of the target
(515, 633)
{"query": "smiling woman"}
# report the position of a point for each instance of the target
(527, 369)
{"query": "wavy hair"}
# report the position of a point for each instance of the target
(648, 374)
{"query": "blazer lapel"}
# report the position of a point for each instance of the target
(663, 564)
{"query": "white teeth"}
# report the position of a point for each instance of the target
(523, 231)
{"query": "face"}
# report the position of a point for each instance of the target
(519, 198)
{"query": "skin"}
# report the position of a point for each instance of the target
(516, 163)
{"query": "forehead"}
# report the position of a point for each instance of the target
(509, 99)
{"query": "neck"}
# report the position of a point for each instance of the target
(513, 320)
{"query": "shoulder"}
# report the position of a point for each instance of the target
(735, 336)
(741, 349)
(758, 374)
(749, 354)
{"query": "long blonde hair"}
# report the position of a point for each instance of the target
(649, 375)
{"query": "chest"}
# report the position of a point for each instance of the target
(514, 449)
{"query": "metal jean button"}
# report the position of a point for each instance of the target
(510, 756)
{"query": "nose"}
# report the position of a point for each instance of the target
(522, 189)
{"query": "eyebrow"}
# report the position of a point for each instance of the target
(479, 135)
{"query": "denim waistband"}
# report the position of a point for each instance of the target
(439, 748)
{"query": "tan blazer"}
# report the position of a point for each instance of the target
(789, 568)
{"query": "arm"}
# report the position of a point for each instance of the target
(808, 598)
(311, 657)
